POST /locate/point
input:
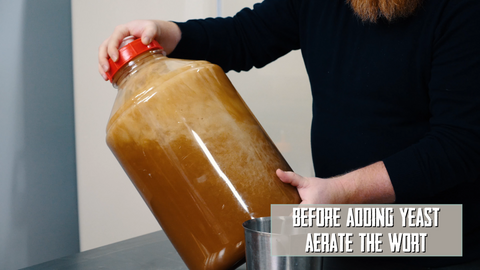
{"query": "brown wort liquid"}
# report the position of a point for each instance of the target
(198, 157)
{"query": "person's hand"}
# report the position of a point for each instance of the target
(166, 33)
(370, 184)
(313, 190)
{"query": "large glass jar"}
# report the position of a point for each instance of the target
(194, 151)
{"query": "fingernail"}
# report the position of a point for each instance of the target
(106, 67)
(114, 58)
(146, 40)
(104, 77)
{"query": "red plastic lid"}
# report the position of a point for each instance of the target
(128, 52)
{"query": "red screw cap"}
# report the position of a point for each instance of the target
(128, 52)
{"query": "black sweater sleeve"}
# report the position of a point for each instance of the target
(251, 38)
(448, 156)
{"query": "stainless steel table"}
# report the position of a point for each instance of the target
(150, 251)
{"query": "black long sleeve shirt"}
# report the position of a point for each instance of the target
(405, 92)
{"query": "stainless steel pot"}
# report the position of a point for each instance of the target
(258, 250)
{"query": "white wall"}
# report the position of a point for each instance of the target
(110, 209)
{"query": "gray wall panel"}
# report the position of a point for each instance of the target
(38, 194)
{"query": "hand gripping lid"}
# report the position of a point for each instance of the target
(129, 49)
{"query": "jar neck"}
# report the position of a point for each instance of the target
(133, 65)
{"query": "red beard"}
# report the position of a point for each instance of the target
(372, 10)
